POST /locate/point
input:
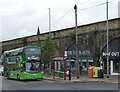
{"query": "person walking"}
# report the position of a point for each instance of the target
(69, 72)
(81, 69)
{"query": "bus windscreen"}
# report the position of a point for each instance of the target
(33, 54)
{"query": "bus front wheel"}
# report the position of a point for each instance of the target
(18, 77)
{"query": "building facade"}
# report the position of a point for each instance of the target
(114, 56)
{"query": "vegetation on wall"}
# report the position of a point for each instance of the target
(92, 36)
(24, 41)
(72, 36)
(94, 32)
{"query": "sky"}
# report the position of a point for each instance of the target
(20, 18)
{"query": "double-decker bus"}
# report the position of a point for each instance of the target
(23, 63)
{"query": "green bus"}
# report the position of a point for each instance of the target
(23, 63)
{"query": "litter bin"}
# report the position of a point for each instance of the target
(61, 74)
(95, 72)
(100, 73)
(57, 73)
(90, 72)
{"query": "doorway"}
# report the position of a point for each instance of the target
(116, 66)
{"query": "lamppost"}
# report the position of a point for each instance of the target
(107, 41)
(49, 20)
(49, 34)
(76, 30)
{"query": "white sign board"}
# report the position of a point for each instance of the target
(113, 54)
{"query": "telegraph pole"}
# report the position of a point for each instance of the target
(107, 41)
(49, 34)
(49, 20)
(78, 73)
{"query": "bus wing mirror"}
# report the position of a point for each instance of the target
(21, 70)
(21, 65)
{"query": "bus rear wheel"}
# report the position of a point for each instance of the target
(7, 76)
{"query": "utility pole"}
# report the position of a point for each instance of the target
(49, 20)
(107, 41)
(49, 34)
(78, 73)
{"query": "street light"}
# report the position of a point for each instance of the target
(49, 34)
(49, 20)
(107, 41)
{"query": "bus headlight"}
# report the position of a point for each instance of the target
(25, 73)
(42, 71)
(28, 57)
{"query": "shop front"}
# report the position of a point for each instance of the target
(85, 56)
(114, 57)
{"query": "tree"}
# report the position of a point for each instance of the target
(48, 50)
(24, 41)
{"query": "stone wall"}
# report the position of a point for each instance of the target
(0, 48)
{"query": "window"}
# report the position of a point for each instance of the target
(13, 67)
(33, 67)
(7, 54)
(10, 54)
(14, 53)
(13, 59)
(33, 54)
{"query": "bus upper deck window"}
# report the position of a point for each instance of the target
(23, 52)
(7, 54)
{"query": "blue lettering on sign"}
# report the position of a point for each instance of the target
(14, 59)
(7, 59)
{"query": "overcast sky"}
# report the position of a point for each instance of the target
(20, 18)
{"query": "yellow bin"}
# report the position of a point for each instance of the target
(95, 72)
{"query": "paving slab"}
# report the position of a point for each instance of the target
(111, 79)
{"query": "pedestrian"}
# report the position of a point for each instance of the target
(69, 72)
(81, 69)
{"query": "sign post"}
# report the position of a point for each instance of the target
(107, 41)
(64, 54)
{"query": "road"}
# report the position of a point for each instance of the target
(10, 84)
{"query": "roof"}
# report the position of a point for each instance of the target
(57, 54)
(19, 49)
(58, 59)
(61, 59)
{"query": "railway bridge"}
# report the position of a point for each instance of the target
(90, 36)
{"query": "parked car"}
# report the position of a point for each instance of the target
(1, 70)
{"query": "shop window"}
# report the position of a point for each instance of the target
(84, 66)
(90, 64)
(116, 66)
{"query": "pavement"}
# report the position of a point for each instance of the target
(84, 78)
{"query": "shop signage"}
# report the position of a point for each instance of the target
(80, 53)
(112, 54)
